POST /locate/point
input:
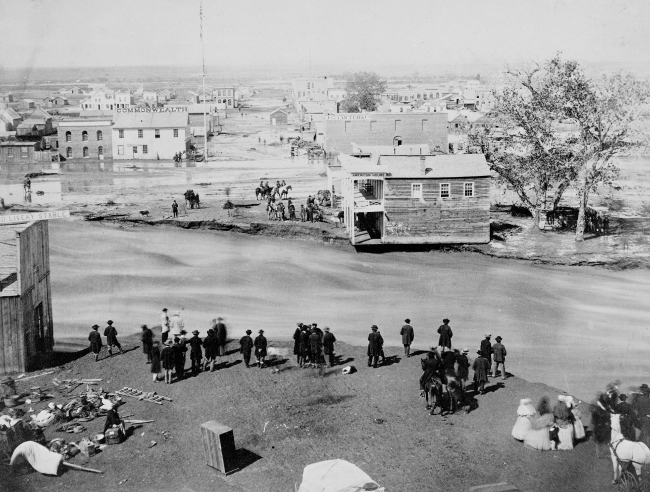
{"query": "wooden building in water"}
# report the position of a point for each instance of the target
(416, 199)
(26, 329)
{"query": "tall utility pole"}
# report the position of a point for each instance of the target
(205, 116)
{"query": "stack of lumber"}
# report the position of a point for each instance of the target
(142, 396)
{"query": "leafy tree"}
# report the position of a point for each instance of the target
(364, 89)
(612, 115)
(522, 145)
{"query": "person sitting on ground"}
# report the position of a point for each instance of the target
(538, 437)
(112, 418)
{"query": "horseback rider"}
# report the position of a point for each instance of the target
(432, 366)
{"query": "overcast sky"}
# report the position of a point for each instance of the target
(336, 33)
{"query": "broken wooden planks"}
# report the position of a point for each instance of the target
(141, 395)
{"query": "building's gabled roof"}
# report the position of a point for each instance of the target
(457, 166)
(279, 111)
(151, 120)
(9, 114)
(39, 114)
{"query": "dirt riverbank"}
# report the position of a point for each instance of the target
(288, 419)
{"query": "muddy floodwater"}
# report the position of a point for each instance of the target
(572, 327)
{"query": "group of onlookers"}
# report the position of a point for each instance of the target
(313, 346)
(95, 339)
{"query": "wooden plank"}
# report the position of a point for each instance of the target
(3, 316)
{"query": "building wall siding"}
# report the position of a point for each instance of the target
(338, 135)
(157, 148)
(457, 219)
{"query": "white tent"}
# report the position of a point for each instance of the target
(336, 476)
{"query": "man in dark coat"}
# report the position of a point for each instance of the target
(111, 338)
(296, 342)
(499, 351)
(304, 346)
(222, 334)
(211, 345)
(486, 350)
(196, 354)
(245, 347)
(375, 344)
(328, 346)
(601, 423)
(448, 360)
(407, 337)
(629, 420)
(95, 340)
(147, 342)
(175, 209)
(113, 418)
(260, 348)
(167, 359)
(314, 348)
(179, 358)
(315, 328)
(641, 406)
(481, 368)
(445, 334)
(462, 363)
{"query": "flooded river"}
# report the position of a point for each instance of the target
(572, 327)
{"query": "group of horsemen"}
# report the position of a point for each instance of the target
(278, 211)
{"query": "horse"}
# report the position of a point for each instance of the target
(284, 191)
(260, 193)
(455, 393)
(432, 389)
(624, 451)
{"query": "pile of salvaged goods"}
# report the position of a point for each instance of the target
(22, 430)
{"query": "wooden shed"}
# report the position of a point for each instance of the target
(26, 329)
(278, 118)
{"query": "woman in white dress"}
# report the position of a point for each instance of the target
(538, 436)
(578, 426)
(525, 413)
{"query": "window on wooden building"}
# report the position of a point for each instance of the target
(140, 133)
(85, 152)
(68, 136)
(10, 152)
(120, 134)
(84, 136)
(100, 151)
(468, 189)
(68, 152)
(445, 190)
(157, 133)
(176, 132)
(145, 149)
(100, 135)
(23, 152)
(120, 150)
(416, 190)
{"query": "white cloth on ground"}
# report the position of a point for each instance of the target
(42, 459)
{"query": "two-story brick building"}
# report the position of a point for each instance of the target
(83, 138)
(337, 132)
(150, 135)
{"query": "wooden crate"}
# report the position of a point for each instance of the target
(219, 447)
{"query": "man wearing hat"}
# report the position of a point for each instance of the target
(147, 342)
(481, 368)
(314, 347)
(629, 419)
(260, 348)
(164, 325)
(111, 338)
(463, 367)
(176, 324)
(486, 350)
(246, 346)
(196, 354)
(179, 358)
(500, 353)
(167, 359)
(222, 335)
(445, 334)
(95, 340)
(328, 346)
(407, 337)
(314, 327)
(296, 341)
(375, 345)
(304, 346)
(211, 346)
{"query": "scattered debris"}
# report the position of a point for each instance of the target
(153, 443)
(21, 378)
